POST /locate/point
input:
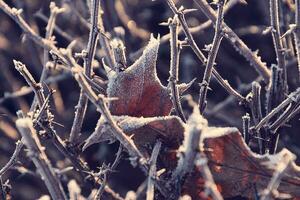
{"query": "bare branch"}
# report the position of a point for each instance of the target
(292, 97)
(278, 45)
(199, 54)
(211, 57)
(152, 171)
(13, 159)
(239, 45)
(174, 65)
(39, 158)
(88, 61)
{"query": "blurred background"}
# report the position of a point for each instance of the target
(138, 18)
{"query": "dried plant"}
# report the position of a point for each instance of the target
(84, 71)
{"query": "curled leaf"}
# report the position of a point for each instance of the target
(143, 131)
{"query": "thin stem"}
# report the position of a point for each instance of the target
(88, 60)
(190, 149)
(296, 34)
(278, 45)
(39, 158)
(293, 97)
(193, 30)
(16, 16)
(199, 54)
(49, 31)
(107, 173)
(256, 111)
(239, 45)
(104, 43)
(152, 171)
(27, 90)
(174, 65)
(246, 128)
(13, 159)
(211, 57)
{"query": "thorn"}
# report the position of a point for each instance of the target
(187, 11)
(267, 30)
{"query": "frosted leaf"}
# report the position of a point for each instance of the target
(138, 90)
(144, 130)
(237, 170)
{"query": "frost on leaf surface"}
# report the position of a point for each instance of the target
(237, 170)
(138, 90)
(143, 131)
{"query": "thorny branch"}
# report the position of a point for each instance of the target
(188, 150)
(46, 124)
(108, 171)
(278, 45)
(211, 57)
(292, 97)
(88, 61)
(199, 54)
(13, 159)
(239, 45)
(174, 67)
(39, 158)
(296, 34)
(152, 171)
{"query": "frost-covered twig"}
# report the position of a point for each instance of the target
(193, 30)
(13, 159)
(27, 90)
(292, 97)
(278, 44)
(211, 57)
(239, 45)
(152, 171)
(189, 149)
(107, 173)
(15, 14)
(199, 54)
(174, 67)
(39, 158)
(296, 34)
(257, 112)
(46, 122)
(118, 50)
(246, 128)
(88, 61)
(104, 42)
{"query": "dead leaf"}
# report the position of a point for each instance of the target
(143, 131)
(138, 90)
(237, 170)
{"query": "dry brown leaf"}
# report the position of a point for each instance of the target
(138, 90)
(143, 131)
(237, 170)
